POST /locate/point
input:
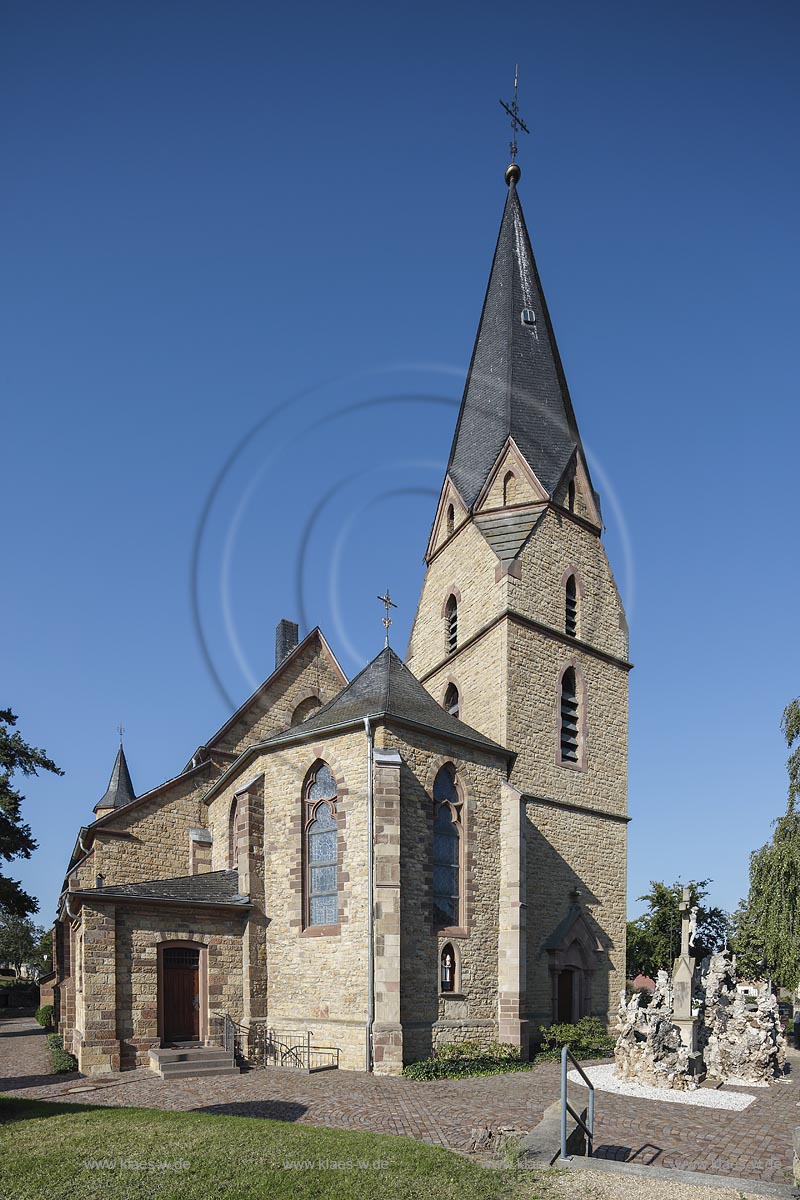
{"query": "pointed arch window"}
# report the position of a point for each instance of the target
(321, 849)
(509, 488)
(451, 624)
(233, 834)
(451, 520)
(452, 700)
(571, 496)
(571, 607)
(570, 718)
(447, 850)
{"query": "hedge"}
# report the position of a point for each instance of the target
(44, 1016)
(60, 1059)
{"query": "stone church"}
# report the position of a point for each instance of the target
(432, 851)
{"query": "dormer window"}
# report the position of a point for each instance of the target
(528, 316)
(451, 520)
(452, 700)
(571, 496)
(509, 488)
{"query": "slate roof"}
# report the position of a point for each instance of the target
(210, 887)
(120, 789)
(386, 688)
(507, 531)
(516, 385)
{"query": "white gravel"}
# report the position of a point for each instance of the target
(605, 1080)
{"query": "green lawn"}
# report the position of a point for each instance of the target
(86, 1153)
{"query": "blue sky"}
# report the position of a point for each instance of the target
(239, 225)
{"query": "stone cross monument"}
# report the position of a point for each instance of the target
(683, 976)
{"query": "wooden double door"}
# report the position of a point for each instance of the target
(181, 983)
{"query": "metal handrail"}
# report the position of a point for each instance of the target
(566, 1107)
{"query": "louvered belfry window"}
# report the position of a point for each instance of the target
(571, 608)
(569, 717)
(451, 624)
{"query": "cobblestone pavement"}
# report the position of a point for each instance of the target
(755, 1143)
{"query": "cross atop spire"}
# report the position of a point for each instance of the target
(517, 124)
(120, 731)
(386, 621)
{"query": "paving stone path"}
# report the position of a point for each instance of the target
(754, 1144)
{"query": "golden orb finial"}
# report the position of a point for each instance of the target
(512, 173)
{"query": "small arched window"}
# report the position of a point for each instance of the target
(571, 496)
(321, 849)
(452, 700)
(451, 624)
(570, 731)
(571, 607)
(510, 488)
(447, 969)
(446, 850)
(451, 520)
(305, 709)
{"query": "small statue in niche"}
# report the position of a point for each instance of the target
(448, 965)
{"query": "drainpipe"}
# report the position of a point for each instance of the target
(370, 901)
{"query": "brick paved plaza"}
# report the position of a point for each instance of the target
(754, 1144)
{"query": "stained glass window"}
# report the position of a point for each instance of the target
(322, 850)
(446, 850)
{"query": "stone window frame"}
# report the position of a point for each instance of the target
(454, 594)
(456, 992)
(233, 832)
(313, 694)
(321, 758)
(173, 943)
(580, 689)
(580, 593)
(509, 488)
(461, 930)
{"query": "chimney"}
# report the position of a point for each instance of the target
(285, 640)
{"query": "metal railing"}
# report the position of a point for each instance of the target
(290, 1049)
(566, 1107)
(231, 1034)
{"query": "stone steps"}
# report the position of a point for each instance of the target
(177, 1062)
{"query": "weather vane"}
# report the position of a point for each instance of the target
(517, 122)
(120, 731)
(387, 603)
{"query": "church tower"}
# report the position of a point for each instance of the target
(520, 631)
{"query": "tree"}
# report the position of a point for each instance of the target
(773, 903)
(16, 840)
(654, 939)
(747, 944)
(21, 943)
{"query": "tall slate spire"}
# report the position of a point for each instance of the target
(120, 788)
(516, 385)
